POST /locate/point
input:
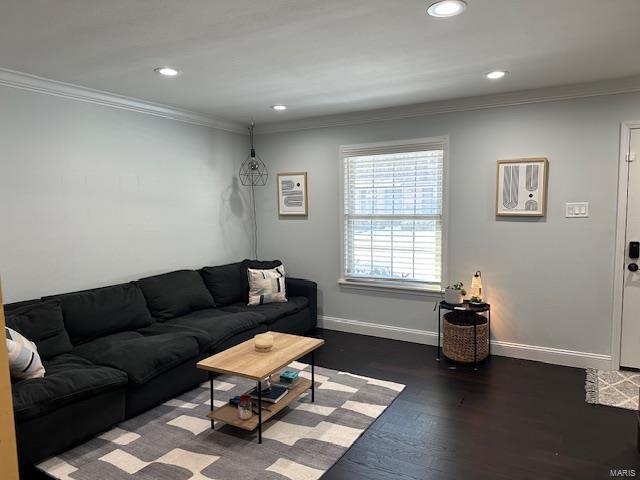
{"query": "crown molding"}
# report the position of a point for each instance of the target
(33, 83)
(524, 97)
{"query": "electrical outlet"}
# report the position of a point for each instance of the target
(577, 210)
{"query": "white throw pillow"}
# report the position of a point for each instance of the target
(24, 361)
(266, 286)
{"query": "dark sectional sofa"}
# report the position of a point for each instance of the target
(111, 353)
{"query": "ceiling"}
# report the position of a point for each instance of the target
(321, 57)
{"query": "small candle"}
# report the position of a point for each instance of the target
(263, 341)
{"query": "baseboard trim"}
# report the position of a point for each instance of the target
(556, 356)
(33, 83)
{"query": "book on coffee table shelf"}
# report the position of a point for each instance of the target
(271, 395)
(286, 386)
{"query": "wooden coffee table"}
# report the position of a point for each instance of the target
(244, 361)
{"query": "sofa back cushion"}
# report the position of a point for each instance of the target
(98, 312)
(176, 293)
(41, 323)
(224, 282)
(24, 303)
(256, 265)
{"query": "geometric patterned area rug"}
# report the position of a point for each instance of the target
(174, 441)
(613, 388)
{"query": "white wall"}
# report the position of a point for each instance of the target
(91, 195)
(549, 280)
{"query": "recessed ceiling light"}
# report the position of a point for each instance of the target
(496, 74)
(167, 71)
(278, 108)
(446, 8)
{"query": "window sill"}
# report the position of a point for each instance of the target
(426, 291)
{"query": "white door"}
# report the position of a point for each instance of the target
(630, 342)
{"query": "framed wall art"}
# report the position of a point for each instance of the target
(292, 194)
(521, 187)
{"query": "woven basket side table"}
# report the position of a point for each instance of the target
(460, 331)
(467, 332)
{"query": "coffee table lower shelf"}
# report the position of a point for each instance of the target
(229, 413)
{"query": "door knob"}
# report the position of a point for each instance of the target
(633, 267)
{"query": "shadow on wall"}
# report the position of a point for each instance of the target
(320, 301)
(234, 219)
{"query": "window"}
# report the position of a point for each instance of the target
(393, 214)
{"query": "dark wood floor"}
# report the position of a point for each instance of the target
(511, 419)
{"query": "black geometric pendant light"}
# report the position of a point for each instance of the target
(253, 171)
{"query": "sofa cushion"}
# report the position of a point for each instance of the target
(224, 282)
(94, 313)
(41, 323)
(142, 354)
(176, 293)
(256, 265)
(219, 325)
(69, 378)
(271, 311)
(203, 338)
(239, 338)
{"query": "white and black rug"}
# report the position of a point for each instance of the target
(174, 441)
(617, 388)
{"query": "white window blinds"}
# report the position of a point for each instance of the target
(393, 212)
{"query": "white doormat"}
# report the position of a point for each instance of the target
(613, 388)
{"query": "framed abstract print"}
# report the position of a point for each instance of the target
(521, 187)
(292, 194)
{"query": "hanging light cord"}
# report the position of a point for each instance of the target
(253, 199)
(255, 223)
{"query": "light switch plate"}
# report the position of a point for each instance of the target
(577, 210)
